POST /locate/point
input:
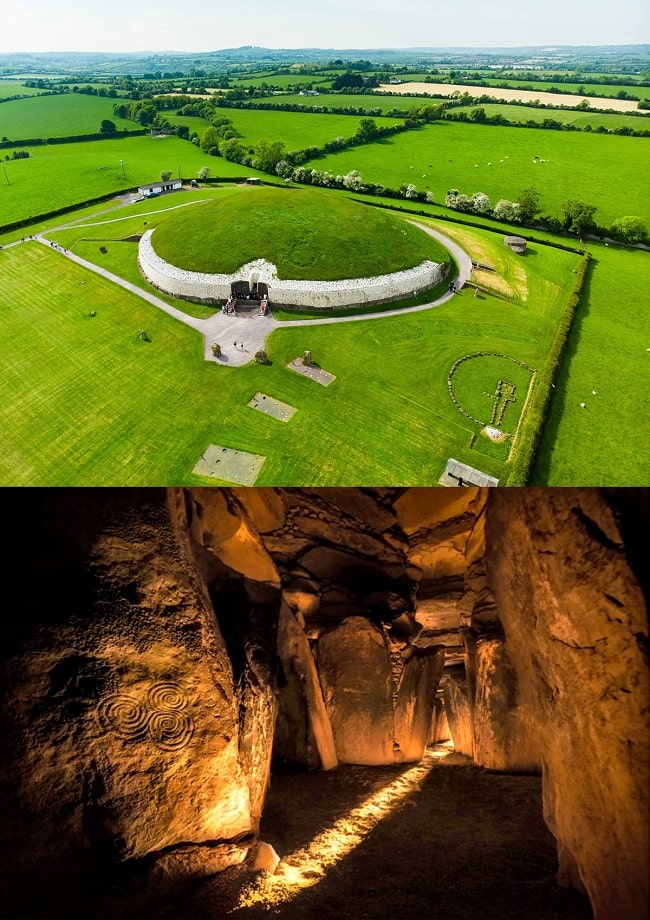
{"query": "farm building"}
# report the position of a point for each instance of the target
(156, 188)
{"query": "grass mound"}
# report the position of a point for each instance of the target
(307, 234)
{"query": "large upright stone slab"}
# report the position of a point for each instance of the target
(415, 701)
(502, 727)
(118, 717)
(355, 674)
(576, 626)
(303, 730)
(459, 714)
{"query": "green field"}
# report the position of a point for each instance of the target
(379, 102)
(600, 169)
(59, 175)
(296, 130)
(605, 443)
(69, 414)
(58, 116)
(565, 116)
(284, 79)
(305, 233)
(16, 88)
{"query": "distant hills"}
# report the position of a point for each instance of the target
(616, 57)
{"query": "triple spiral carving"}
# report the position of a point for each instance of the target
(162, 719)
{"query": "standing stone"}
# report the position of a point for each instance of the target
(439, 724)
(355, 674)
(576, 625)
(118, 716)
(459, 714)
(303, 731)
(415, 700)
(501, 726)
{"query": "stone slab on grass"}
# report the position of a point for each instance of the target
(273, 407)
(459, 474)
(228, 464)
(314, 373)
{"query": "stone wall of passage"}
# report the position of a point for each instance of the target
(315, 295)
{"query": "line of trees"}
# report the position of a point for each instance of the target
(577, 216)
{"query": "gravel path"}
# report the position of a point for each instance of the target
(240, 337)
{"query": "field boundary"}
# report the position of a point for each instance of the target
(527, 437)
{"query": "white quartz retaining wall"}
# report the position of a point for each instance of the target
(318, 295)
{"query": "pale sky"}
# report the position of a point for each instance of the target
(208, 25)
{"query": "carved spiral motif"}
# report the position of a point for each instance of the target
(124, 715)
(162, 720)
(170, 730)
(166, 694)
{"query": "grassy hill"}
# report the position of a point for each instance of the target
(304, 232)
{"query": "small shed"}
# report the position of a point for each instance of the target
(516, 243)
(252, 180)
(157, 188)
(460, 474)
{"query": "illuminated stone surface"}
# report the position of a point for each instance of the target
(151, 639)
(355, 674)
(576, 628)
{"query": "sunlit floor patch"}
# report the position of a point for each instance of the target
(309, 865)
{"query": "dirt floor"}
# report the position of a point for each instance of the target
(442, 839)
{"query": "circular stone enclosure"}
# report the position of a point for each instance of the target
(312, 250)
(490, 389)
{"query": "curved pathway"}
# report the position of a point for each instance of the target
(240, 337)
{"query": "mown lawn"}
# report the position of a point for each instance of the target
(58, 116)
(85, 401)
(601, 169)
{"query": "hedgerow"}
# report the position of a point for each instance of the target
(527, 439)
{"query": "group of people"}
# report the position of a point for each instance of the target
(229, 308)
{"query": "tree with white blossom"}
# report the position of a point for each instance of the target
(353, 181)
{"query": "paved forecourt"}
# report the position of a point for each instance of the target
(241, 337)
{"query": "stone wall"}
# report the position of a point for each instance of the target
(316, 295)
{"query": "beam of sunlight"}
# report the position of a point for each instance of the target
(309, 865)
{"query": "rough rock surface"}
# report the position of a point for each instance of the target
(355, 674)
(415, 701)
(459, 713)
(150, 638)
(577, 632)
(304, 732)
(122, 702)
(501, 726)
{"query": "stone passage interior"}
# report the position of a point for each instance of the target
(425, 702)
